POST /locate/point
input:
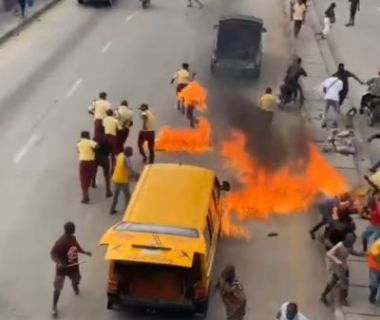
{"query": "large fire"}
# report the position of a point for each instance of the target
(195, 95)
(196, 140)
(289, 189)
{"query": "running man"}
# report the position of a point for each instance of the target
(98, 109)
(147, 133)
(232, 293)
(182, 78)
(65, 255)
(86, 149)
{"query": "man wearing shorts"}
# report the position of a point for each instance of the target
(65, 254)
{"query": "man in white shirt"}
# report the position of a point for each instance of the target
(289, 311)
(331, 88)
(298, 15)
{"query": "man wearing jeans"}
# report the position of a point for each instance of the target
(121, 176)
(331, 87)
(373, 260)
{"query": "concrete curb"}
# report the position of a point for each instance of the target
(28, 20)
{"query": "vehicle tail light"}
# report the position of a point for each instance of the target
(200, 291)
(112, 286)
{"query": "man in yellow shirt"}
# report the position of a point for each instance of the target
(147, 133)
(373, 258)
(125, 116)
(182, 77)
(98, 109)
(121, 176)
(298, 15)
(111, 126)
(86, 149)
(267, 103)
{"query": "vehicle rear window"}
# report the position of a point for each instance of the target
(238, 40)
(150, 228)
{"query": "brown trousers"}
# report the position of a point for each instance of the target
(122, 136)
(113, 144)
(86, 174)
(105, 165)
(98, 130)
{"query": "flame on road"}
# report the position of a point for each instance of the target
(196, 140)
(195, 95)
(287, 190)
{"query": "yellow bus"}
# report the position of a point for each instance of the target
(161, 254)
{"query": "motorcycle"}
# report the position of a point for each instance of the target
(289, 94)
(286, 94)
(370, 107)
(145, 3)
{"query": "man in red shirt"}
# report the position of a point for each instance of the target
(65, 254)
(373, 229)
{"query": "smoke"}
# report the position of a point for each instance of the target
(273, 145)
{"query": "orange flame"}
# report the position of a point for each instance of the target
(195, 95)
(196, 140)
(289, 189)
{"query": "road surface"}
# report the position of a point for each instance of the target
(49, 75)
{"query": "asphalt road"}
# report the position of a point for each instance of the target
(49, 75)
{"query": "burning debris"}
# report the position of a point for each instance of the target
(196, 140)
(291, 188)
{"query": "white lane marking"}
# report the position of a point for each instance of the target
(24, 150)
(74, 88)
(129, 17)
(106, 47)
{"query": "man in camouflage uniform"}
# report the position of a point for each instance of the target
(232, 293)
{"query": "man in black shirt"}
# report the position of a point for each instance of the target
(293, 73)
(344, 75)
(337, 230)
(354, 7)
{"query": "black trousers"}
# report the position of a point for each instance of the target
(149, 137)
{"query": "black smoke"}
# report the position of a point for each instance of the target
(284, 142)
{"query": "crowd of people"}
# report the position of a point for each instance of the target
(336, 87)
(339, 236)
(339, 228)
(107, 149)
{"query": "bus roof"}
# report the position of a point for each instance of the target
(172, 195)
(165, 217)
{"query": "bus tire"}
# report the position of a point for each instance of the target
(109, 305)
(201, 309)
